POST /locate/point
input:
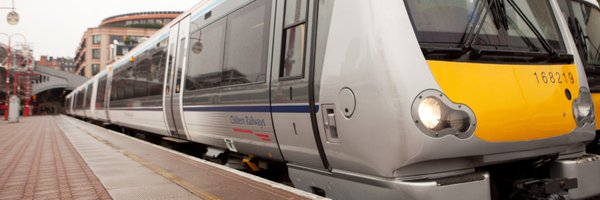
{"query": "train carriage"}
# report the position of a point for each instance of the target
(414, 99)
(133, 97)
(583, 17)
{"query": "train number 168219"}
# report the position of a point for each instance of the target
(554, 77)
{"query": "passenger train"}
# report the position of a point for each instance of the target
(583, 17)
(386, 99)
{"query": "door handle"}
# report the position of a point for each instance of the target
(330, 124)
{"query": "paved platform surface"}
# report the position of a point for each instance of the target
(37, 161)
(63, 158)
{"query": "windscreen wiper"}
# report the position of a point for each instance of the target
(553, 54)
(584, 44)
(474, 26)
(595, 47)
(536, 32)
(499, 12)
(473, 31)
(500, 20)
(580, 38)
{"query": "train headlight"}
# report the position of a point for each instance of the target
(583, 108)
(437, 116)
(459, 121)
(430, 112)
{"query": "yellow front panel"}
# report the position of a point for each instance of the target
(596, 99)
(512, 102)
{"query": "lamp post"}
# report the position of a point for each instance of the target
(8, 63)
(13, 19)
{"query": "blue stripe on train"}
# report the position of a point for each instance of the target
(138, 109)
(275, 109)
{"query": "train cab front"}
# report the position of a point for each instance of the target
(509, 93)
(584, 18)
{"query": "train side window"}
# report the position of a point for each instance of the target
(157, 68)
(120, 84)
(113, 88)
(88, 96)
(206, 55)
(292, 62)
(121, 90)
(101, 92)
(170, 56)
(130, 83)
(75, 99)
(295, 12)
(180, 60)
(247, 44)
(80, 100)
(141, 72)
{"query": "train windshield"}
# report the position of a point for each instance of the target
(449, 29)
(588, 20)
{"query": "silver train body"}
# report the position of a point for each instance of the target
(353, 97)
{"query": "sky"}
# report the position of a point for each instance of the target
(55, 27)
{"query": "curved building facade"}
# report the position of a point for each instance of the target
(115, 36)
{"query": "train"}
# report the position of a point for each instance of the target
(583, 17)
(386, 99)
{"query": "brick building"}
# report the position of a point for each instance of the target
(58, 63)
(115, 36)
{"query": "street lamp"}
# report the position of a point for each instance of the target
(13, 17)
(8, 63)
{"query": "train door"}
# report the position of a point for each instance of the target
(93, 99)
(108, 89)
(172, 96)
(74, 103)
(85, 104)
(73, 99)
(292, 90)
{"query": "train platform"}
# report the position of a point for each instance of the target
(58, 157)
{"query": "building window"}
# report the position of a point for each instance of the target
(95, 53)
(133, 39)
(118, 38)
(95, 69)
(96, 39)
